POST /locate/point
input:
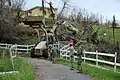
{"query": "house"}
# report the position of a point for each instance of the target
(34, 16)
(38, 11)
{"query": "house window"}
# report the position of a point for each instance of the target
(29, 13)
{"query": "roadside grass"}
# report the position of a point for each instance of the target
(5, 65)
(96, 73)
(26, 70)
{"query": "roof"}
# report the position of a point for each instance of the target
(38, 7)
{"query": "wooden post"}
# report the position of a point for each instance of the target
(16, 50)
(43, 8)
(84, 55)
(60, 53)
(96, 58)
(66, 55)
(10, 50)
(27, 48)
(6, 46)
(115, 61)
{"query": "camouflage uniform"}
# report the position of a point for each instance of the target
(79, 54)
(50, 53)
(71, 57)
(54, 52)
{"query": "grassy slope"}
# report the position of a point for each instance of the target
(109, 33)
(96, 73)
(26, 71)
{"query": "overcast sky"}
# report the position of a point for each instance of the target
(105, 7)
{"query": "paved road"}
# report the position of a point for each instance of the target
(48, 71)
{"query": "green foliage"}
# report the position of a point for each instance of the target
(100, 74)
(107, 43)
(5, 65)
(79, 33)
(26, 71)
(109, 35)
(103, 41)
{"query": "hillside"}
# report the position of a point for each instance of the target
(107, 33)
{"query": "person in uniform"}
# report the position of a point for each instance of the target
(54, 52)
(50, 53)
(79, 55)
(71, 56)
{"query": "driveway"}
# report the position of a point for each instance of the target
(45, 70)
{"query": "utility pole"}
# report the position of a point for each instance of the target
(52, 10)
(43, 9)
(114, 25)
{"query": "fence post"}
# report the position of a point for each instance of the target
(96, 58)
(115, 61)
(27, 48)
(84, 55)
(16, 53)
(66, 55)
(10, 50)
(6, 46)
(60, 54)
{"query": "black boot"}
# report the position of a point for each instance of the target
(79, 70)
(72, 68)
